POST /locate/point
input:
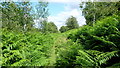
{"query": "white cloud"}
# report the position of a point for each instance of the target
(71, 6)
(71, 9)
(60, 18)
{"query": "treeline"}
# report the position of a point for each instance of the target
(94, 11)
(22, 16)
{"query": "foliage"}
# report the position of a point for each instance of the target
(49, 27)
(63, 29)
(67, 54)
(16, 16)
(98, 37)
(29, 49)
(19, 16)
(94, 11)
(41, 13)
(93, 57)
(24, 45)
(87, 46)
(72, 23)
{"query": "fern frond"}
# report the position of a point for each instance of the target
(93, 57)
(84, 58)
(83, 61)
(102, 58)
(23, 62)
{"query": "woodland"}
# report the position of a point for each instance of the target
(95, 45)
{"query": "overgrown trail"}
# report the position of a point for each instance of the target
(58, 40)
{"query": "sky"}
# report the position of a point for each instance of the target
(60, 11)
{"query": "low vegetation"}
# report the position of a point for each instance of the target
(96, 44)
(87, 46)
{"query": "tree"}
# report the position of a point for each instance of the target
(41, 13)
(26, 20)
(8, 15)
(63, 29)
(49, 27)
(52, 28)
(72, 23)
(16, 16)
(97, 10)
(44, 27)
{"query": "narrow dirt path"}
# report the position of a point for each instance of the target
(58, 40)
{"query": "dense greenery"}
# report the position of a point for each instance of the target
(94, 11)
(20, 16)
(85, 46)
(93, 46)
(71, 23)
(49, 27)
(16, 16)
(63, 29)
